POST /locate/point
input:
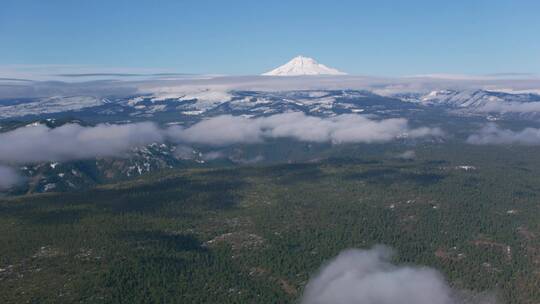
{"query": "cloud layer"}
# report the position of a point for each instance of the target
(493, 134)
(368, 277)
(38, 143)
(72, 141)
(225, 130)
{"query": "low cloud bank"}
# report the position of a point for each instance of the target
(72, 141)
(38, 143)
(226, 130)
(369, 277)
(494, 135)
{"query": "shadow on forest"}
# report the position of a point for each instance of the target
(391, 176)
(436, 162)
(132, 280)
(348, 161)
(211, 193)
(218, 194)
(56, 217)
(294, 173)
(472, 182)
(161, 240)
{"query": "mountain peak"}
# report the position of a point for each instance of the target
(301, 65)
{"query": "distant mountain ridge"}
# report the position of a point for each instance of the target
(185, 109)
(190, 107)
(474, 98)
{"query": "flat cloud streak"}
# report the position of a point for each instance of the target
(225, 130)
(368, 277)
(494, 135)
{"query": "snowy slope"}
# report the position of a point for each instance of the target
(301, 65)
(54, 104)
(477, 99)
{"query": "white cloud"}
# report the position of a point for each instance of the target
(83, 73)
(38, 143)
(218, 131)
(185, 152)
(368, 277)
(225, 130)
(380, 85)
(213, 155)
(8, 177)
(72, 141)
(493, 134)
(407, 155)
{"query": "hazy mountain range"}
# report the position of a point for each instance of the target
(160, 121)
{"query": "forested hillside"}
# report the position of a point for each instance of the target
(257, 234)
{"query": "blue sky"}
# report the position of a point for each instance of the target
(249, 37)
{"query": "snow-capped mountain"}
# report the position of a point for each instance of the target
(301, 65)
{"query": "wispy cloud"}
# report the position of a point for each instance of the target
(493, 134)
(407, 155)
(77, 73)
(8, 177)
(95, 81)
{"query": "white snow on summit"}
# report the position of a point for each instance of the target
(301, 65)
